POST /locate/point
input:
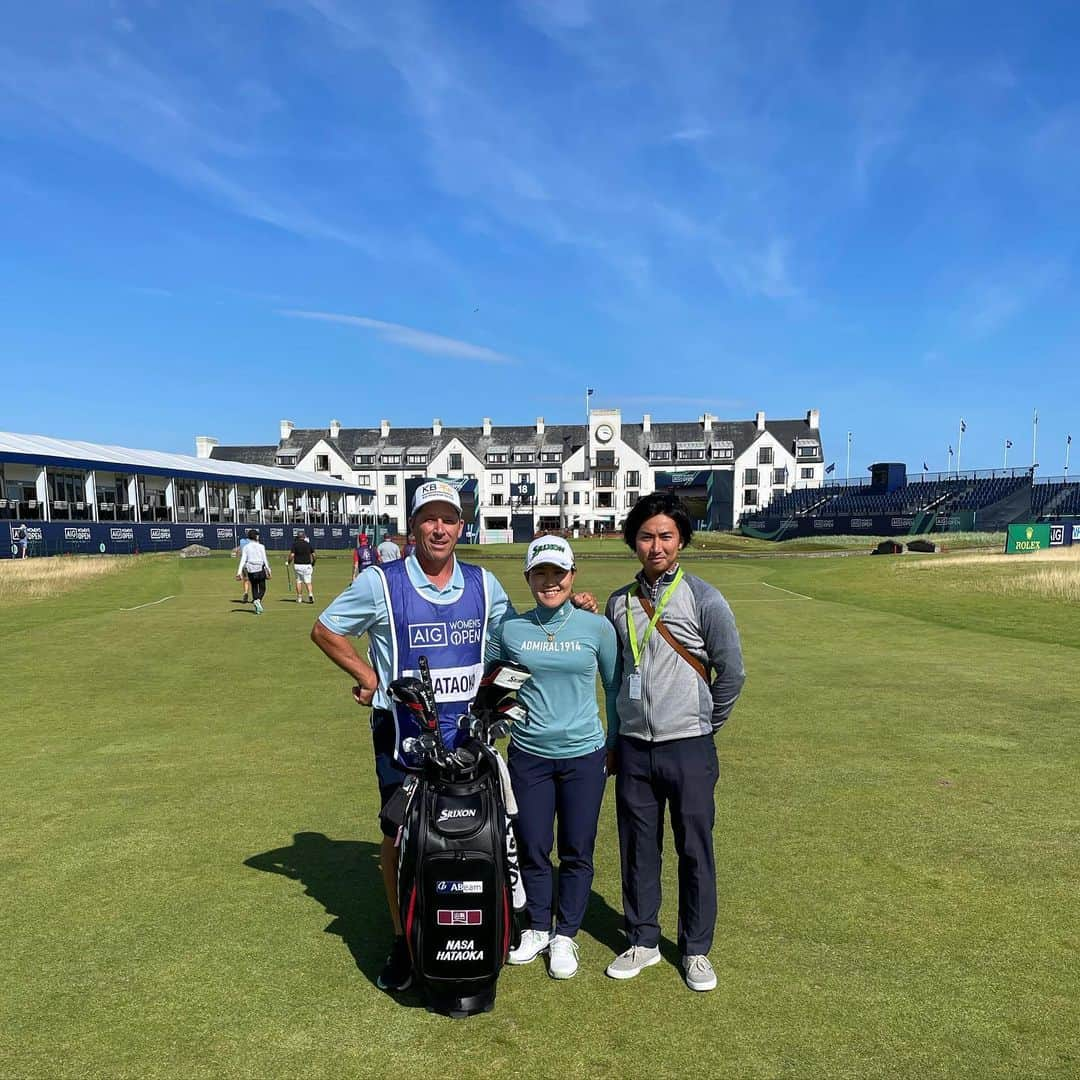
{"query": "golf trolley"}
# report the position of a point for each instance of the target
(458, 879)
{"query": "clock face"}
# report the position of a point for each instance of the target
(604, 433)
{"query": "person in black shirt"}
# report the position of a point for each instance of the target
(302, 558)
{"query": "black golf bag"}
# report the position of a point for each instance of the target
(454, 883)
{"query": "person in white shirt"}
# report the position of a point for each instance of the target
(255, 562)
(388, 551)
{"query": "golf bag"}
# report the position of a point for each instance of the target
(454, 883)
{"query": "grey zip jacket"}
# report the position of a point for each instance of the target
(676, 703)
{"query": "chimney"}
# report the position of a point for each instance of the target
(286, 430)
(384, 429)
(539, 425)
(813, 418)
(706, 422)
(487, 427)
(646, 423)
(335, 428)
(436, 428)
(759, 420)
(203, 445)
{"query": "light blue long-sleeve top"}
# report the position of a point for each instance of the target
(563, 719)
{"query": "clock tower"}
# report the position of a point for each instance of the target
(605, 434)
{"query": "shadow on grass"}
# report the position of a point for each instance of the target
(607, 926)
(343, 876)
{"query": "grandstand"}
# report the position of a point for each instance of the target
(890, 504)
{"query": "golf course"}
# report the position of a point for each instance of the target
(192, 889)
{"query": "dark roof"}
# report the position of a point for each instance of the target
(566, 437)
(246, 455)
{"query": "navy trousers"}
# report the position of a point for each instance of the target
(682, 776)
(571, 789)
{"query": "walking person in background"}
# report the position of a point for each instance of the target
(302, 558)
(681, 672)
(246, 598)
(363, 555)
(23, 541)
(557, 756)
(254, 560)
(410, 546)
(388, 551)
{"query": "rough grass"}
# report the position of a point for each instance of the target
(41, 579)
(190, 843)
(1053, 573)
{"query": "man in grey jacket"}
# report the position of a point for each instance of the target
(681, 674)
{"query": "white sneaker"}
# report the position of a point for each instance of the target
(562, 957)
(298, 600)
(533, 943)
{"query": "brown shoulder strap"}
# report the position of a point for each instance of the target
(669, 637)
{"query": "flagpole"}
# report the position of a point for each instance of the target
(1034, 440)
(1005, 463)
(959, 446)
(950, 462)
(1068, 445)
(847, 467)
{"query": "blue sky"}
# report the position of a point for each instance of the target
(213, 216)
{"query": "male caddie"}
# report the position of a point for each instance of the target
(426, 605)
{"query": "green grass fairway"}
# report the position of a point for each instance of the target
(190, 837)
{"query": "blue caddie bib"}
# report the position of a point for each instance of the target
(451, 636)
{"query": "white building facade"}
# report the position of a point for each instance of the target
(543, 477)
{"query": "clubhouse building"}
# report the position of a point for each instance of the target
(517, 481)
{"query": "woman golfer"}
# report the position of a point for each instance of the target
(557, 755)
(255, 563)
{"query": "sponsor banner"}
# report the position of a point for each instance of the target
(1025, 539)
(1076, 534)
(110, 538)
(459, 917)
(778, 528)
(1057, 535)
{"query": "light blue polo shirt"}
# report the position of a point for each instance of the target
(564, 721)
(362, 608)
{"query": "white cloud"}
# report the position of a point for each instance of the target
(409, 337)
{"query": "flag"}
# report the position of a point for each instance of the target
(950, 451)
(963, 426)
(589, 392)
(1008, 444)
(1035, 418)
(1068, 440)
(831, 468)
(925, 467)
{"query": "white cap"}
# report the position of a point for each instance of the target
(436, 491)
(549, 549)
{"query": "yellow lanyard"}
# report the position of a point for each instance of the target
(631, 629)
